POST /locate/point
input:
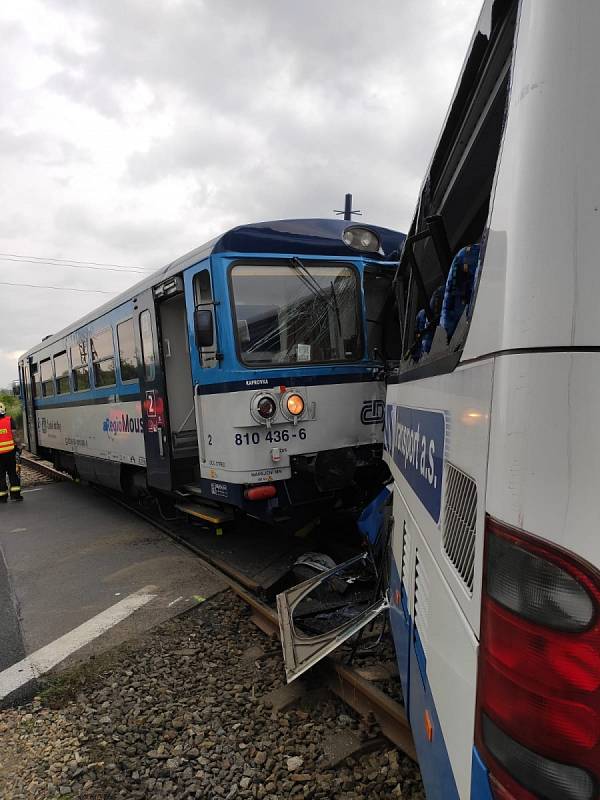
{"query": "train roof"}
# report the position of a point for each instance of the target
(321, 237)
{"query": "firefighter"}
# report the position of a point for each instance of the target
(9, 447)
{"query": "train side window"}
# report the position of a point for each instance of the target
(79, 366)
(127, 355)
(47, 378)
(103, 358)
(61, 370)
(203, 298)
(147, 339)
(35, 377)
(202, 288)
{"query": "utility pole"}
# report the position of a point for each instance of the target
(347, 212)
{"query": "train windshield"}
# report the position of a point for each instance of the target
(296, 314)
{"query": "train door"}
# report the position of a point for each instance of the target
(29, 425)
(205, 335)
(174, 341)
(153, 394)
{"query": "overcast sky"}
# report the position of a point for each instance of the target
(131, 131)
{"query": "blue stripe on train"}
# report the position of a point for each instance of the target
(119, 393)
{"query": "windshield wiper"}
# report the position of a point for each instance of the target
(313, 286)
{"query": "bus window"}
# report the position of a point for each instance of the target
(79, 366)
(148, 355)
(127, 356)
(435, 289)
(61, 370)
(103, 358)
(47, 378)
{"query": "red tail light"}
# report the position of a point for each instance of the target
(538, 694)
(260, 492)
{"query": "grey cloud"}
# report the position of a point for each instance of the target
(128, 235)
(262, 110)
(39, 147)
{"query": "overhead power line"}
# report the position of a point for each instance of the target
(58, 288)
(74, 266)
(70, 261)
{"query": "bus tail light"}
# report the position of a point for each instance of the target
(538, 694)
(260, 492)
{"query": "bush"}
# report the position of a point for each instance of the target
(13, 407)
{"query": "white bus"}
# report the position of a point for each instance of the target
(492, 432)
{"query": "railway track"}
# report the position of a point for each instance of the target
(43, 467)
(343, 680)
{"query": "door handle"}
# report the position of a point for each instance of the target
(161, 447)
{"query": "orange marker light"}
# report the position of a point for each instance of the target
(428, 726)
(295, 404)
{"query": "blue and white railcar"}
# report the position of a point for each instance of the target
(247, 373)
(492, 432)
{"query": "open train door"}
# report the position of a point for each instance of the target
(153, 393)
(318, 615)
(27, 393)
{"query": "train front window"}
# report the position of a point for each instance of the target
(296, 314)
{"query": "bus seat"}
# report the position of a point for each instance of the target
(425, 330)
(420, 332)
(459, 287)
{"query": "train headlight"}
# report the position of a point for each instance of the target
(263, 407)
(361, 239)
(266, 407)
(295, 404)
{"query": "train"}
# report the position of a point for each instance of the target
(244, 377)
(491, 433)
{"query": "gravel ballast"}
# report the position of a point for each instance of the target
(182, 713)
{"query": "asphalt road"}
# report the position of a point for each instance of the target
(68, 556)
(12, 648)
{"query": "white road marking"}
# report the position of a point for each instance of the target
(19, 530)
(52, 654)
(175, 601)
(24, 491)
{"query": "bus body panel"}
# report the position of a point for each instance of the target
(441, 628)
(464, 398)
(545, 448)
(540, 280)
(437, 658)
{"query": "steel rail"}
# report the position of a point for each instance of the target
(357, 692)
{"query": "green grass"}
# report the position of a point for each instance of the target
(58, 689)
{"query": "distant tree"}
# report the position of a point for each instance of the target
(13, 406)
